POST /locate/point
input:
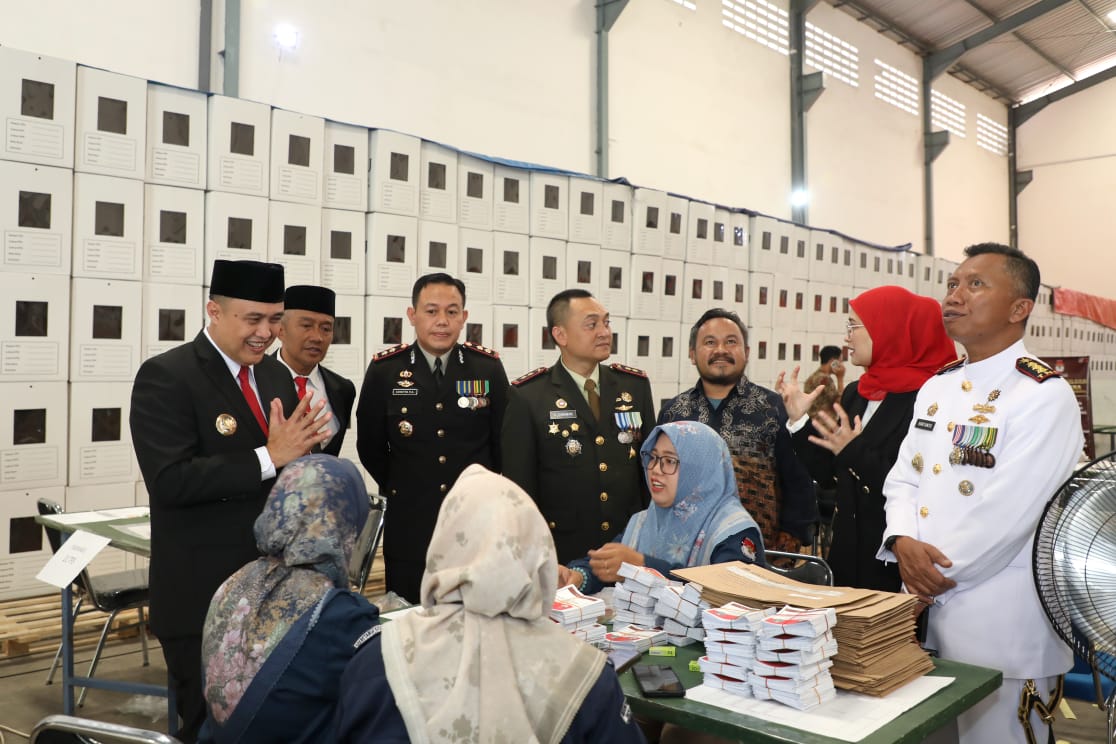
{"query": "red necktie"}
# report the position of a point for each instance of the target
(300, 383)
(250, 396)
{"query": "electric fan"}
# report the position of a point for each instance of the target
(1075, 567)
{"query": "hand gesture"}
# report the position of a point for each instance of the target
(568, 577)
(795, 400)
(835, 435)
(605, 561)
(918, 562)
(290, 438)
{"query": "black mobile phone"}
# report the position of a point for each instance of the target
(622, 659)
(658, 680)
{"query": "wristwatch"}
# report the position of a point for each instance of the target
(889, 543)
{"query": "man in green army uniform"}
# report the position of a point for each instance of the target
(572, 432)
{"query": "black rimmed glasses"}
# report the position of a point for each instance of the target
(668, 464)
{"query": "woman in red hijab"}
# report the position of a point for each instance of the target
(899, 340)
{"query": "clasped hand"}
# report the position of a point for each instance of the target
(918, 562)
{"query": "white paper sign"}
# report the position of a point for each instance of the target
(74, 555)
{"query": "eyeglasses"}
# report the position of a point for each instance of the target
(851, 326)
(668, 464)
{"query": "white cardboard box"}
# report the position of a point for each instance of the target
(235, 228)
(295, 241)
(479, 328)
(176, 136)
(393, 172)
(346, 354)
(550, 207)
(173, 235)
(105, 330)
(782, 311)
(108, 227)
(678, 217)
(616, 217)
(511, 336)
(476, 265)
(438, 247)
(722, 253)
(614, 290)
(511, 205)
(766, 239)
(673, 290)
(738, 293)
(172, 315)
(239, 146)
(697, 291)
(37, 101)
(386, 323)
(100, 438)
(761, 357)
(36, 217)
(796, 261)
(583, 267)
(740, 225)
(297, 143)
(585, 210)
(548, 270)
(34, 327)
(762, 287)
(699, 233)
(346, 174)
(34, 424)
(111, 124)
(649, 226)
(392, 254)
(646, 282)
(543, 352)
(343, 234)
(800, 304)
(509, 282)
(438, 191)
(24, 548)
(474, 192)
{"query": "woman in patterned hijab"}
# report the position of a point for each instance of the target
(280, 630)
(481, 661)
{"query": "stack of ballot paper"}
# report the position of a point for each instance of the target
(578, 614)
(791, 665)
(633, 637)
(634, 599)
(681, 608)
(876, 647)
(730, 646)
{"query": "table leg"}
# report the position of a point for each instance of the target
(67, 650)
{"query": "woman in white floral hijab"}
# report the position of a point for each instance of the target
(481, 662)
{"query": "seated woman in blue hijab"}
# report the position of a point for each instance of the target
(695, 517)
(281, 629)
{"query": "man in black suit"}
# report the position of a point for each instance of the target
(210, 428)
(305, 333)
(427, 411)
(581, 466)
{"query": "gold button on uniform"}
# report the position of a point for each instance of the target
(966, 385)
(438, 406)
(599, 440)
(403, 409)
(443, 488)
(441, 459)
(924, 512)
(604, 526)
(603, 467)
(551, 525)
(966, 488)
(604, 495)
(937, 468)
(441, 432)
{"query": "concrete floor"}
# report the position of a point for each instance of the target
(24, 699)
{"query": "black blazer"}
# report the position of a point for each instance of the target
(341, 393)
(204, 485)
(858, 474)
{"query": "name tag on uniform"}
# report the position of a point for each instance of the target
(563, 414)
(924, 424)
(404, 391)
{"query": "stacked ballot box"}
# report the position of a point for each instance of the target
(117, 194)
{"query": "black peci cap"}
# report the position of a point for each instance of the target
(309, 297)
(247, 280)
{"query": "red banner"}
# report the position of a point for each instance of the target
(1097, 309)
(1075, 370)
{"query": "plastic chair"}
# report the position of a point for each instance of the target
(59, 729)
(809, 569)
(111, 593)
(364, 552)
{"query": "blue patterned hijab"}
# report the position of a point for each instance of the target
(306, 534)
(706, 508)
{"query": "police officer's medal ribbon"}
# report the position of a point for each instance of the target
(472, 394)
(629, 424)
(226, 425)
(972, 445)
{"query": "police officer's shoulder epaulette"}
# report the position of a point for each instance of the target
(389, 353)
(617, 367)
(367, 635)
(951, 366)
(481, 349)
(533, 374)
(1035, 369)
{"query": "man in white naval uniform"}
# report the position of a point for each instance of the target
(992, 438)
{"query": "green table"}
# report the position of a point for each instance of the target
(970, 685)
